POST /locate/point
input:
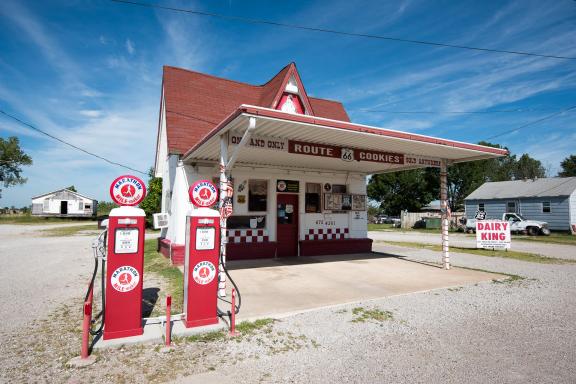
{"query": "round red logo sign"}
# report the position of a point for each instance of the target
(125, 278)
(203, 193)
(127, 190)
(204, 272)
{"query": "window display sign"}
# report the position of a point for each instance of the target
(292, 186)
(126, 240)
(344, 202)
(358, 202)
(205, 238)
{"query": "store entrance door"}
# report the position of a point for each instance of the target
(287, 225)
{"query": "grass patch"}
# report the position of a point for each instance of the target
(29, 219)
(363, 315)
(208, 337)
(249, 327)
(70, 230)
(380, 227)
(390, 228)
(564, 238)
(156, 263)
(523, 256)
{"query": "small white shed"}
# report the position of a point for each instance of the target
(64, 203)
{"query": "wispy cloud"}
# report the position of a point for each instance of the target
(130, 46)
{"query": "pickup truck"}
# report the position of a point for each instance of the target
(518, 224)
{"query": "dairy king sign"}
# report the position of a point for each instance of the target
(493, 234)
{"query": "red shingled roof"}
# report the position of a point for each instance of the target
(195, 103)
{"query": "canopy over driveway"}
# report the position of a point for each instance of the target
(287, 140)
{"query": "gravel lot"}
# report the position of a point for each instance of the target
(518, 331)
(513, 332)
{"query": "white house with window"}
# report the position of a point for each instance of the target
(552, 200)
(64, 203)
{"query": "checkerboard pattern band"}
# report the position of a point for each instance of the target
(327, 234)
(247, 236)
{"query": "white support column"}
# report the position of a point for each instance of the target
(445, 219)
(223, 230)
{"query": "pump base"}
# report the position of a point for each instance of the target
(124, 333)
(198, 323)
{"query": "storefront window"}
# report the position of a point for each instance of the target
(258, 195)
(313, 197)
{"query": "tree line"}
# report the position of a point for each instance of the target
(411, 190)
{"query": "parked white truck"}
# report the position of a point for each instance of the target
(518, 224)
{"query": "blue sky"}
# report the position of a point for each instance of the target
(90, 73)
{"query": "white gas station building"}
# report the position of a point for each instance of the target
(297, 165)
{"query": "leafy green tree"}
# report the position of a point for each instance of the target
(410, 190)
(72, 188)
(12, 158)
(568, 167)
(528, 168)
(153, 200)
(104, 208)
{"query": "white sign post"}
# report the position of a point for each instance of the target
(493, 234)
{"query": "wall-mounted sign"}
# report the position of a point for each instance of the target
(260, 142)
(332, 151)
(292, 186)
(327, 187)
(241, 199)
(203, 193)
(493, 234)
(127, 190)
(419, 160)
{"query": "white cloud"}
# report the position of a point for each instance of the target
(130, 46)
(90, 113)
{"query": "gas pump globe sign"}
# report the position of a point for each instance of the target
(127, 190)
(203, 193)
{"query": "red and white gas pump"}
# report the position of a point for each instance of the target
(125, 260)
(202, 257)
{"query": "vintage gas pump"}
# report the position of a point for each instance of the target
(202, 257)
(125, 260)
(201, 267)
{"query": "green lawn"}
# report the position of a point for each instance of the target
(390, 228)
(554, 238)
(156, 263)
(29, 219)
(524, 256)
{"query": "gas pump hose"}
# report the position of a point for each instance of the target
(91, 286)
(237, 307)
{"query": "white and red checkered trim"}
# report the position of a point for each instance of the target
(327, 234)
(247, 236)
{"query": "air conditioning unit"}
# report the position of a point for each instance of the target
(160, 220)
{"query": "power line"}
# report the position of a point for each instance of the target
(450, 112)
(533, 122)
(69, 144)
(192, 117)
(336, 32)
